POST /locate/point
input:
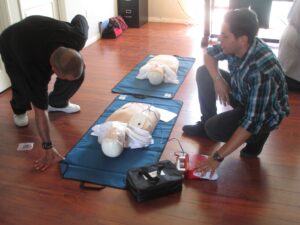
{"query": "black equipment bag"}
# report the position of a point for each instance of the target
(113, 27)
(154, 181)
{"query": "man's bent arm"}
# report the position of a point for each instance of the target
(221, 87)
(239, 137)
(212, 66)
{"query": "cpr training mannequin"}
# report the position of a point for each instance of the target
(129, 126)
(161, 68)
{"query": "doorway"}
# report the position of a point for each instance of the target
(39, 7)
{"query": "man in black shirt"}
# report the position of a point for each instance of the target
(32, 50)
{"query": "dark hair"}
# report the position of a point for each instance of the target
(242, 22)
(69, 62)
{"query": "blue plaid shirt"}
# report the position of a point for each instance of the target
(257, 84)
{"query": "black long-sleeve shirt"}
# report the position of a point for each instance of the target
(29, 44)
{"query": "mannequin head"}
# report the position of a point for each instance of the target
(156, 75)
(129, 126)
(111, 147)
(159, 69)
(111, 136)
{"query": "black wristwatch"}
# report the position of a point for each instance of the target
(47, 145)
(217, 157)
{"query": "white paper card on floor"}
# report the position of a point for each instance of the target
(25, 146)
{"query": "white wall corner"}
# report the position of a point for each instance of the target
(92, 39)
(62, 10)
(4, 79)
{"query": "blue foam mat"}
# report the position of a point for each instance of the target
(130, 85)
(86, 162)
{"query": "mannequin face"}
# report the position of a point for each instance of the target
(156, 75)
(113, 142)
(111, 148)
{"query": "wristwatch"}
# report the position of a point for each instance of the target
(217, 157)
(47, 145)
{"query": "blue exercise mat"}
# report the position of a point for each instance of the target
(86, 162)
(130, 85)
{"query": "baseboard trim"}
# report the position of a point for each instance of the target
(172, 20)
(92, 40)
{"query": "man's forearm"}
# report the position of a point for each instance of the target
(49, 157)
(212, 66)
(239, 137)
(42, 123)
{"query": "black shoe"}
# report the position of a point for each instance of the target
(253, 149)
(195, 130)
(249, 153)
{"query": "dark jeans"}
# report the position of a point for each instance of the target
(220, 127)
(292, 84)
(63, 89)
(261, 7)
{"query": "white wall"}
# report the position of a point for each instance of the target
(94, 10)
(99, 10)
(176, 11)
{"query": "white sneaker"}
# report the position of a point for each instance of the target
(21, 120)
(70, 108)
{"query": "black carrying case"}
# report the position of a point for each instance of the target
(154, 180)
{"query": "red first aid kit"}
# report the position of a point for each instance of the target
(187, 163)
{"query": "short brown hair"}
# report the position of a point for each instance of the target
(69, 62)
(242, 22)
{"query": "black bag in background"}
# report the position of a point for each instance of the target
(112, 28)
(154, 181)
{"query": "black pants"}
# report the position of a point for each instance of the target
(261, 7)
(220, 127)
(293, 85)
(63, 89)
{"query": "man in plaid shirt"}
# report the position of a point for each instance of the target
(255, 87)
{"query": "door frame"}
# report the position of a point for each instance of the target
(4, 15)
(5, 20)
(58, 7)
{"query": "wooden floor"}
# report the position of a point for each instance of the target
(263, 191)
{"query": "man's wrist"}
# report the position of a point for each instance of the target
(218, 77)
(217, 157)
(47, 145)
